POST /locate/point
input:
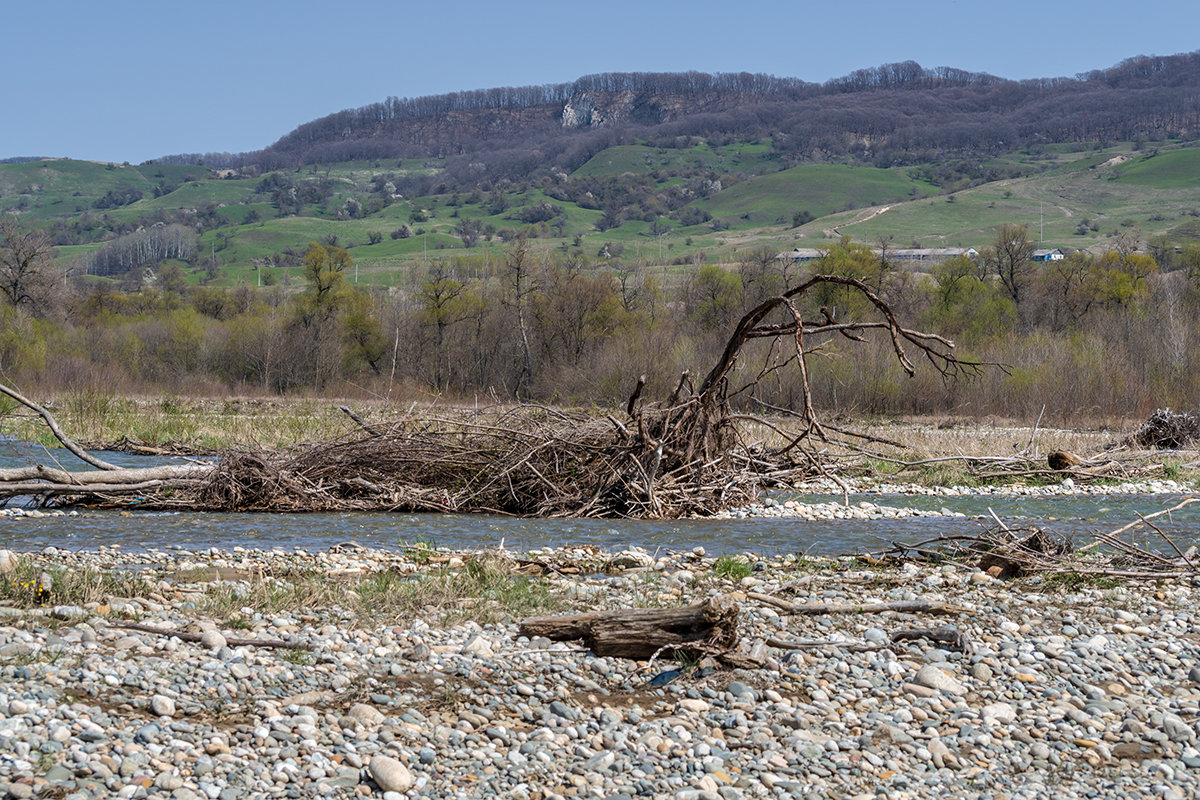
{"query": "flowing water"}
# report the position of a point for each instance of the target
(1076, 515)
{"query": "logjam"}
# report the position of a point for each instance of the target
(709, 627)
(685, 455)
(1007, 553)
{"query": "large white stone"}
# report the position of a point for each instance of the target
(937, 678)
(162, 705)
(212, 639)
(390, 774)
(367, 715)
(1002, 713)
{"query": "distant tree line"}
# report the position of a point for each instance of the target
(147, 247)
(1114, 334)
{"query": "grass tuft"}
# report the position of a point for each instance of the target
(733, 568)
(24, 587)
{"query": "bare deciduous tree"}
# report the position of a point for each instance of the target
(26, 260)
(1009, 256)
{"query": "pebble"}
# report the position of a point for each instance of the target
(1092, 690)
(212, 639)
(937, 678)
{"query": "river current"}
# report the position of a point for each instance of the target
(1077, 516)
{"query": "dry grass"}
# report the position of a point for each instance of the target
(487, 588)
(77, 587)
(989, 437)
(196, 423)
(280, 422)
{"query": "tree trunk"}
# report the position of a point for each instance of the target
(640, 633)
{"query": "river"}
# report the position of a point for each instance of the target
(1076, 515)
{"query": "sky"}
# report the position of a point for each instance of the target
(133, 80)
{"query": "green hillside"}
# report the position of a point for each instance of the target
(1174, 169)
(1071, 198)
(817, 189)
(1069, 207)
(56, 188)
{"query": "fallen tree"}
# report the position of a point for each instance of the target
(710, 626)
(683, 455)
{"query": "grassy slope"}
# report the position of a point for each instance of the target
(819, 189)
(1155, 193)
(63, 187)
(1174, 169)
(1156, 190)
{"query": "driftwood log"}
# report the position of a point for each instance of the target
(187, 636)
(710, 626)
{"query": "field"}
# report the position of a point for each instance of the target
(1078, 206)
(820, 190)
(1068, 196)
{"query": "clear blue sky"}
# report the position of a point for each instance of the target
(131, 80)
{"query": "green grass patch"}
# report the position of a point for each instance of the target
(732, 568)
(485, 589)
(1172, 169)
(818, 189)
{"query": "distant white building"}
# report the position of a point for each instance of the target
(933, 254)
(1047, 255)
(802, 254)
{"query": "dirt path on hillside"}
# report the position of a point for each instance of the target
(837, 233)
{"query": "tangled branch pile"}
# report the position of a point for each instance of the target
(679, 457)
(1008, 553)
(530, 461)
(1166, 430)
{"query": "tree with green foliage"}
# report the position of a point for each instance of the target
(847, 259)
(325, 270)
(968, 305)
(445, 302)
(315, 344)
(716, 297)
(362, 332)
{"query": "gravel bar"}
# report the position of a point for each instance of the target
(1061, 690)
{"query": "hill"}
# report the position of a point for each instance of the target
(675, 168)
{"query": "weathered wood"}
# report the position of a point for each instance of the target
(187, 636)
(640, 633)
(131, 475)
(901, 606)
(52, 424)
(952, 638)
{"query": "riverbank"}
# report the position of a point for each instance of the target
(406, 677)
(849, 507)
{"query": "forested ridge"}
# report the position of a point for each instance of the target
(892, 114)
